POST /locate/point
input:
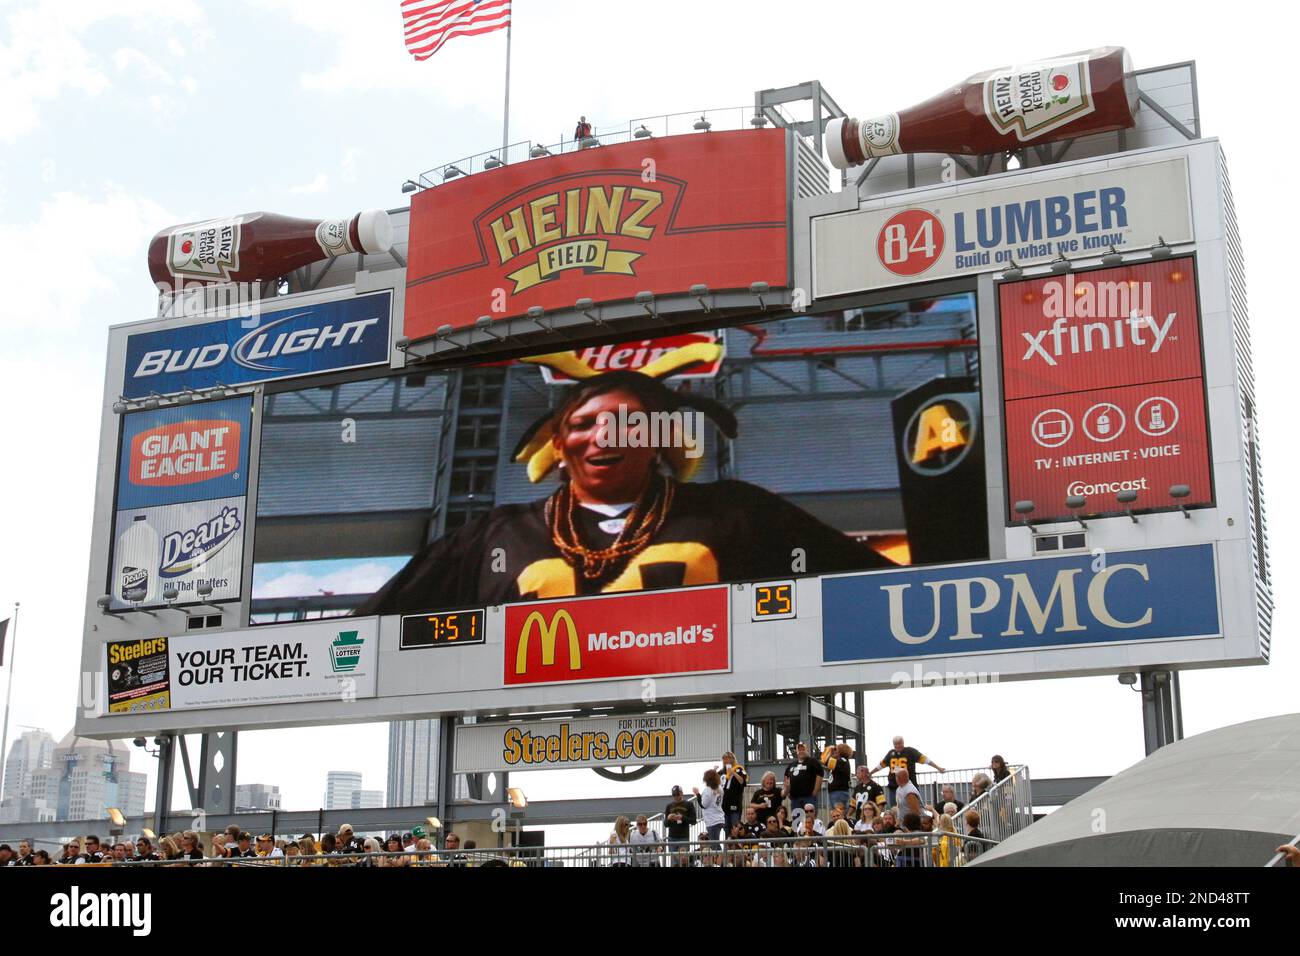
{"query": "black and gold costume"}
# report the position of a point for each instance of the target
(719, 531)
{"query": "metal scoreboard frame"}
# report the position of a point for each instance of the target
(1026, 613)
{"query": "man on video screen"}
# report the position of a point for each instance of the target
(625, 516)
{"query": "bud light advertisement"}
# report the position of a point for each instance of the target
(329, 337)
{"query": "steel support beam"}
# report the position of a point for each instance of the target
(217, 760)
(1162, 711)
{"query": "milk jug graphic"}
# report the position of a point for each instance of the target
(137, 562)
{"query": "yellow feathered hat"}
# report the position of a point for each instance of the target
(536, 447)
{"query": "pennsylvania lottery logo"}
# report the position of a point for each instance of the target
(345, 652)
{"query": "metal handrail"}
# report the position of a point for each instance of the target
(855, 849)
(1279, 858)
(663, 124)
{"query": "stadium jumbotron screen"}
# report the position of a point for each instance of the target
(809, 444)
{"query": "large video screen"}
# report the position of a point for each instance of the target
(807, 444)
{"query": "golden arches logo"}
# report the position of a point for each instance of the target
(548, 632)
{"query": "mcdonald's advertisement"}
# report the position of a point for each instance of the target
(592, 741)
(657, 215)
(657, 634)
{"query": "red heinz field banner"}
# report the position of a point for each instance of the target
(1104, 390)
(604, 223)
(649, 634)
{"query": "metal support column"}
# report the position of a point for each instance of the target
(162, 803)
(217, 762)
(739, 740)
(1162, 715)
(446, 779)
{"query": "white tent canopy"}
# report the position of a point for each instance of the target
(1228, 797)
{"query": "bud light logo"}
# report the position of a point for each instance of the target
(184, 453)
(185, 551)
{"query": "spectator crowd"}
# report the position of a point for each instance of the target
(827, 810)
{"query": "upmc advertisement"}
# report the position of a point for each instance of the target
(181, 503)
(1102, 379)
(1153, 594)
(627, 635)
(657, 215)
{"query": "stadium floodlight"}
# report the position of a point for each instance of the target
(1112, 258)
(1015, 272)
(1076, 503)
(760, 289)
(1178, 493)
(647, 301)
(1060, 265)
(184, 398)
(103, 602)
(484, 324)
(444, 331)
(702, 125)
(410, 186)
(171, 593)
(1161, 249)
(517, 798)
(1024, 508)
(152, 401)
(642, 132)
(587, 142)
(1128, 678)
(492, 163)
(758, 121)
(402, 344)
(121, 405)
(536, 313)
(451, 172)
(585, 306)
(1127, 498)
(538, 151)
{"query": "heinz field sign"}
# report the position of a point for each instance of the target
(652, 215)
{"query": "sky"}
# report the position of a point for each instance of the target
(120, 118)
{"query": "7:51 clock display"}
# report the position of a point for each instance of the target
(445, 629)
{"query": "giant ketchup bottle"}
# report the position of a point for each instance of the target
(1003, 109)
(258, 246)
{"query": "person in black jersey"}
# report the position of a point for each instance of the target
(624, 517)
(906, 758)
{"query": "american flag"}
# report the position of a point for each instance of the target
(431, 23)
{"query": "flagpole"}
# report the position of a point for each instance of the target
(9, 696)
(505, 128)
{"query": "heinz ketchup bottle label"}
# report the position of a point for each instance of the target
(205, 250)
(332, 237)
(1028, 101)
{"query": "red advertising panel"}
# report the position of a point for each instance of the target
(1103, 381)
(657, 215)
(627, 635)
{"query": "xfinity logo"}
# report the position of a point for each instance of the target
(1098, 336)
(254, 350)
(77, 909)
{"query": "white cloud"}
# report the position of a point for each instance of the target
(73, 253)
(360, 579)
(44, 55)
(317, 185)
